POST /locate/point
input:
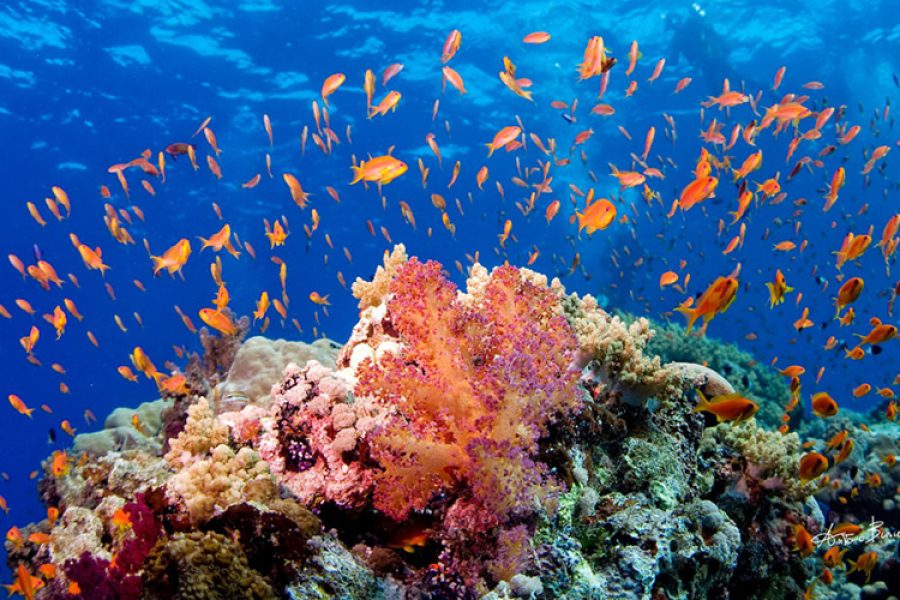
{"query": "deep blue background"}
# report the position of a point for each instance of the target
(89, 84)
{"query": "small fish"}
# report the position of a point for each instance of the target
(823, 405)
(733, 408)
(812, 465)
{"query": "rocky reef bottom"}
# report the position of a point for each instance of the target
(506, 441)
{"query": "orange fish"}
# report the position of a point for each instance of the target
(862, 389)
(812, 465)
(331, 84)
(697, 191)
(628, 179)
(382, 170)
(455, 79)
(262, 305)
(715, 300)
(727, 98)
(803, 541)
(277, 236)
(19, 405)
(29, 341)
(388, 103)
(537, 37)
(218, 321)
(390, 72)
(837, 440)
(823, 405)
(173, 259)
(93, 259)
(503, 137)
(848, 293)
(864, 563)
(60, 463)
(317, 299)
(551, 211)
(597, 215)
(451, 45)
(879, 334)
(668, 278)
(220, 239)
(778, 289)
(852, 248)
(732, 408)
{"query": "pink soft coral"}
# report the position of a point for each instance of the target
(476, 383)
(316, 444)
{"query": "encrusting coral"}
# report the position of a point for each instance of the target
(503, 440)
(259, 363)
(202, 566)
(315, 440)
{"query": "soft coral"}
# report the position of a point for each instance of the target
(476, 383)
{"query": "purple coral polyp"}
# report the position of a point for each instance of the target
(298, 455)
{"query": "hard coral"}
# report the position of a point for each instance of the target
(476, 382)
(260, 361)
(202, 433)
(225, 478)
(202, 566)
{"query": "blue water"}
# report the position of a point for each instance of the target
(86, 85)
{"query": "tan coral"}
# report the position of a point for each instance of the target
(79, 530)
(619, 347)
(372, 293)
(778, 454)
(260, 362)
(708, 381)
(223, 479)
(202, 566)
(119, 433)
(201, 433)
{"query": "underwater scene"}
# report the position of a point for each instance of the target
(449, 299)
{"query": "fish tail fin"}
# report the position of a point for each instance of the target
(773, 300)
(490, 148)
(691, 315)
(157, 264)
(702, 403)
(357, 173)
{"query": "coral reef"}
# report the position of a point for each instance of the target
(259, 363)
(201, 566)
(503, 358)
(743, 372)
(119, 432)
(316, 438)
(506, 440)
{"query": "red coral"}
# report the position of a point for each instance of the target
(476, 385)
(100, 579)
